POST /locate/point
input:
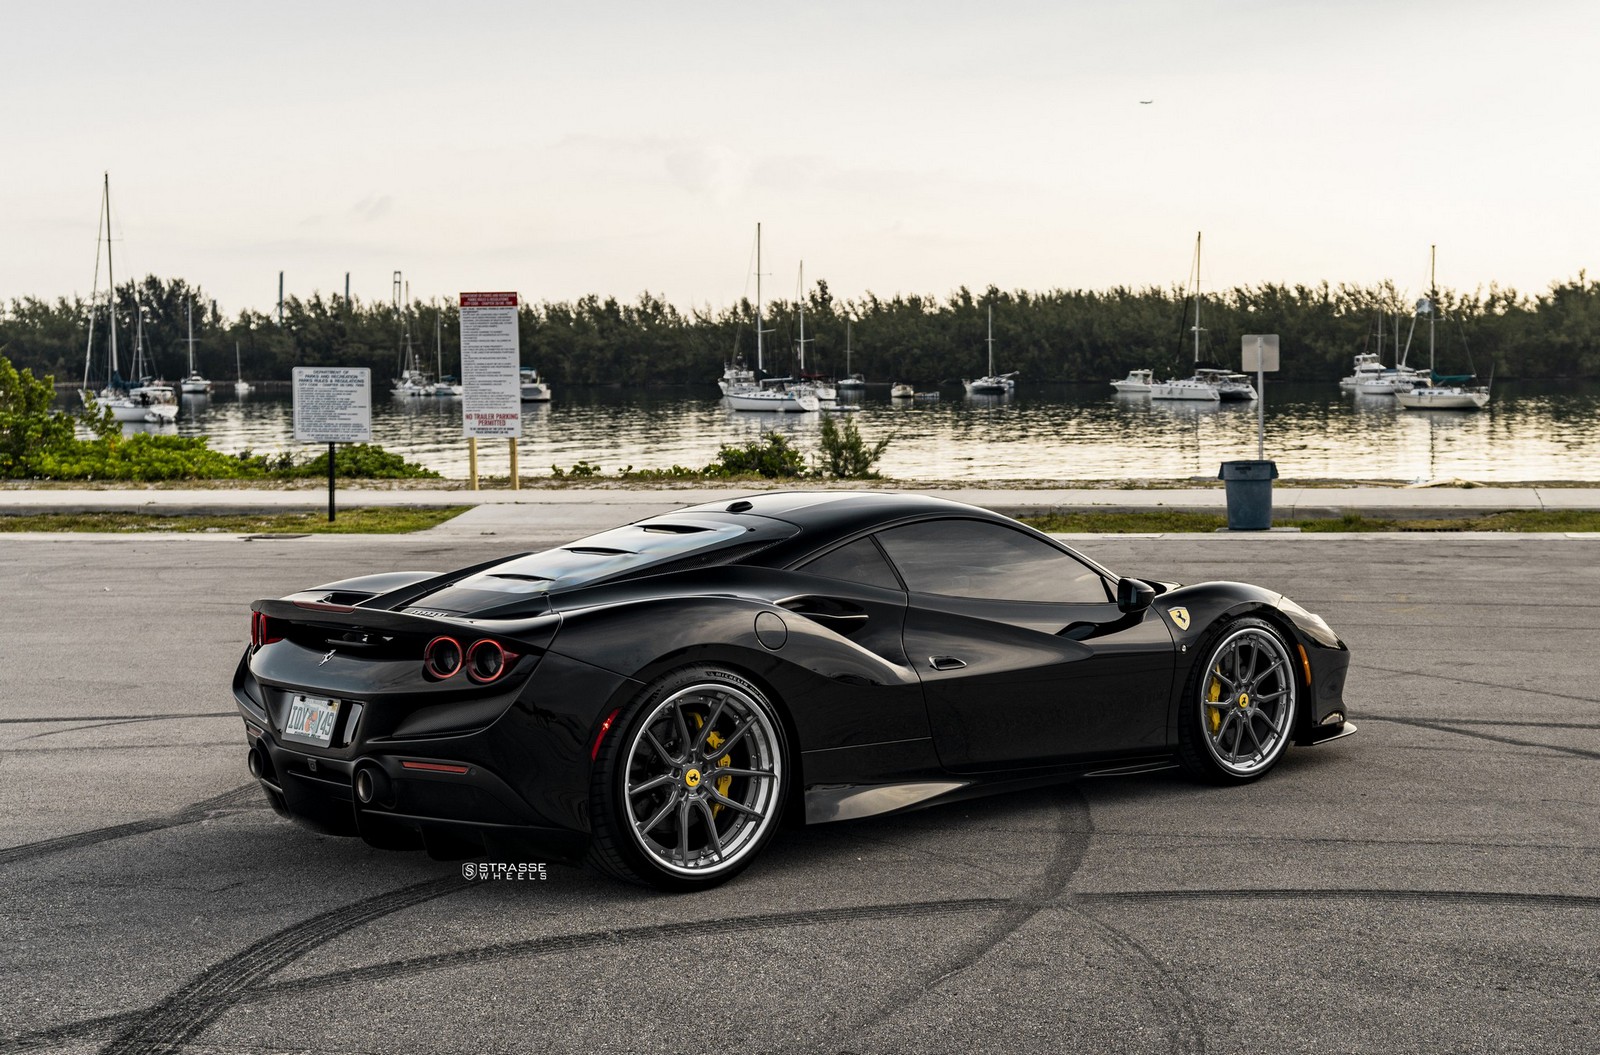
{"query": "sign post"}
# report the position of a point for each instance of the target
(332, 404)
(1260, 353)
(491, 390)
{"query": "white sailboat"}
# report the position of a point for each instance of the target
(991, 384)
(141, 401)
(771, 395)
(445, 387)
(1209, 383)
(1441, 393)
(192, 383)
(817, 384)
(412, 381)
(241, 387)
(850, 382)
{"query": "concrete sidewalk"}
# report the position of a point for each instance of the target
(582, 509)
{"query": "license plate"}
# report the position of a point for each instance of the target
(311, 720)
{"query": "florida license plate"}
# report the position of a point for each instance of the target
(311, 720)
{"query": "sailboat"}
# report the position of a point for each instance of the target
(446, 386)
(991, 384)
(816, 383)
(241, 387)
(193, 383)
(770, 394)
(1440, 392)
(412, 381)
(850, 382)
(140, 401)
(1210, 383)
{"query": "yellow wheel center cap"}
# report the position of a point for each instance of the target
(691, 778)
(1244, 699)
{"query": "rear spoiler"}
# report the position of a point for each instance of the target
(537, 631)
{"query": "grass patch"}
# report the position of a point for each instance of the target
(359, 520)
(1165, 522)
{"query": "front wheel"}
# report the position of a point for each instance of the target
(694, 786)
(1238, 707)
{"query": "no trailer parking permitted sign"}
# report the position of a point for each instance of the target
(491, 392)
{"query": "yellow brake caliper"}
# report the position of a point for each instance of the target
(1214, 696)
(714, 741)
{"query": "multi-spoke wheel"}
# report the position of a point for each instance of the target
(1239, 705)
(693, 787)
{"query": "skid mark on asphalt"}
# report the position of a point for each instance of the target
(199, 811)
(183, 1016)
(116, 717)
(1073, 832)
(613, 938)
(1435, 676)
(1444, 725)
(1461, 897)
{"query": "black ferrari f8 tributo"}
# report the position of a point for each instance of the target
(657, 698)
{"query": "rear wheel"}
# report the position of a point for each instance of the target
(695, 784)
(1238, 707)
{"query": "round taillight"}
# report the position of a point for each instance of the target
(486, 660)
(442, 657)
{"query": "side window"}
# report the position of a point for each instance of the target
(859, 562)
(972, 558)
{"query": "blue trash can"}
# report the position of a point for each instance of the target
(1249, 486)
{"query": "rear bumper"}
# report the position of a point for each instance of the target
(449, 807)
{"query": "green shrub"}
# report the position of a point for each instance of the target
(357, 461)
(771, 457)
(845, 455)
(583, 470)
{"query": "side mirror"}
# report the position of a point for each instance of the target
(1134, 595)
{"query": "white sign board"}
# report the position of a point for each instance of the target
(491, 390)
(332, 404)
(1260, 353)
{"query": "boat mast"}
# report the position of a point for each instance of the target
(991, 340)
(802, 299)
(1197, 329)
(94, 293)
(111, 281)
(188, 318)
(761, 365)
(1433, 301)
(847, 348)
(438, 344)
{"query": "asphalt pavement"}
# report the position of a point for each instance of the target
(1430, 884)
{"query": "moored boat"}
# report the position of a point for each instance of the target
(1137, 382)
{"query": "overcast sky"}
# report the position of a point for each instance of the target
(563, 149)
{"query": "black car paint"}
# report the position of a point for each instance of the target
(1046, 691)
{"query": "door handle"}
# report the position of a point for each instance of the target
(945, 663)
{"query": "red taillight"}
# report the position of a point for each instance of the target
(443, 657)
(486, 661)
(262, 631)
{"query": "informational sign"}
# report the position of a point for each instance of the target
(332, 404)
(491, 389)
(1260, 352)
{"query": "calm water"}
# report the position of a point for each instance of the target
(1531, 431)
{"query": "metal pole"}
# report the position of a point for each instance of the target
(1261, 401)
(280, 298)
(516, 484)
(330, 483)
(472, 460)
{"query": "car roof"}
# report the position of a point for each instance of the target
(837, 512)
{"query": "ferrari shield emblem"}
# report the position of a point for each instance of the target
(1180, 617)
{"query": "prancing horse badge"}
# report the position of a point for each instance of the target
(1180, 617)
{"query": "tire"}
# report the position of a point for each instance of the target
(693, 785)
(1238, 710)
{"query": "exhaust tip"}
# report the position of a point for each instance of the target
(372, 785)
(253, 763)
